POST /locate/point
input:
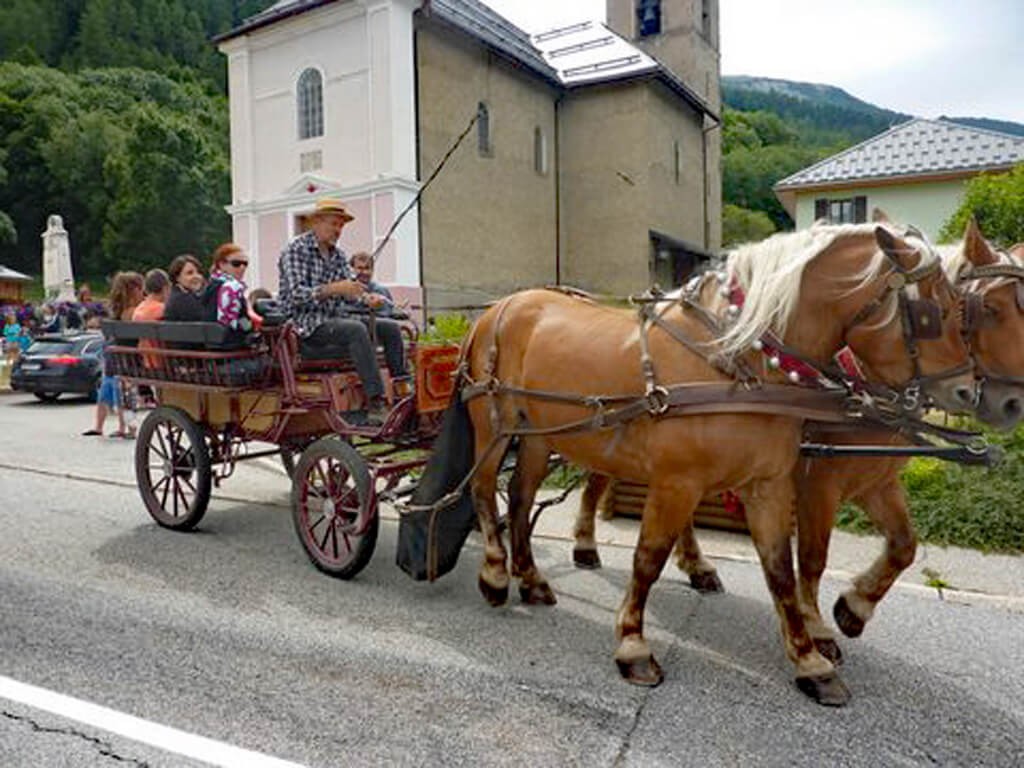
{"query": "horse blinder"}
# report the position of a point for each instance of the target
(925, 318)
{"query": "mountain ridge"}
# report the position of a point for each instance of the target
(805, 100)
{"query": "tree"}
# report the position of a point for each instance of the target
(135, 162)
(740, 225)
(996, 201)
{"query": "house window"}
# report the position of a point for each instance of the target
(705, 18)
(648, 17)
(311, 104)
(483, 130)
(540, 151)
(677, 161)
(848, 210)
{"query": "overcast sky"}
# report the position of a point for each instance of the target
(960, 58)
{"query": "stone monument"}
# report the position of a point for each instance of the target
(58, 279)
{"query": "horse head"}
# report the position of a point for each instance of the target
(915, 343)
(993, 310)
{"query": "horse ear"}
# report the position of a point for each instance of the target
(897, 249)
(879, 216)
(976, 248)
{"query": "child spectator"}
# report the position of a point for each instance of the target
(125, 294)
(158, 287)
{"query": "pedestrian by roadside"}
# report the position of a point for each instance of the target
(126, 292)
(12, 337)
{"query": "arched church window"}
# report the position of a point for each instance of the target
(311, 104)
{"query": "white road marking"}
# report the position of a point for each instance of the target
(135, 728)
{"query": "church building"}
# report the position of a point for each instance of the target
(591, 154)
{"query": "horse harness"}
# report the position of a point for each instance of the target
(976, 315)
(834, 399)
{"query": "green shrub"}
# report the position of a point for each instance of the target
(962, 506)
(449, 328)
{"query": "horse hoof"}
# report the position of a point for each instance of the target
(645, 672)
(493, 595)
(849, 622)
(586, 558)
(829, 648)
(538, 594)
(707, 583)
(828, 690)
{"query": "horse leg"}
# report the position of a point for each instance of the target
(493, 578)
(668, 509)
(817, 500)
(691, 561)
(886, 505)
(584, 552)
(531, 468)
(769, 515)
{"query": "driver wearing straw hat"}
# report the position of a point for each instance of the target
(317, 287)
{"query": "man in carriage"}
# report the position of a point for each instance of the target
(317, 291)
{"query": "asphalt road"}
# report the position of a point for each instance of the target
(229, 634)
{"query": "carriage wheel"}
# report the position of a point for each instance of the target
(172, 468)
(331, 508)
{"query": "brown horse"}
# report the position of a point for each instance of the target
(996, 337)
(815, 290)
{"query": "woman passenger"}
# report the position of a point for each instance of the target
(227, 272)
(186, 302)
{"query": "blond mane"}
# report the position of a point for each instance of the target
(770, 274)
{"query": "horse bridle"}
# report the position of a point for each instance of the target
(921, 320)
(974, 314)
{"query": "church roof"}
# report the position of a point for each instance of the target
(573, 56)
(915, 148)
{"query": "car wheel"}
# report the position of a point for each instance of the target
(47, 397)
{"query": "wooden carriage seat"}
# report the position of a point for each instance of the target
(227, 357)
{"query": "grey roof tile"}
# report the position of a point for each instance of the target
(914, 148)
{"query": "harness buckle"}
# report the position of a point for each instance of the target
(656, 400)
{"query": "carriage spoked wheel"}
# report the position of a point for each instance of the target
(331, 507)
(172, 468)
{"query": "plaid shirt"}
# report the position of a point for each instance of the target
(303, 268)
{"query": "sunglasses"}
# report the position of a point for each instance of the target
(238, 262)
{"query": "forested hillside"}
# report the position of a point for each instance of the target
(113, 114)
(776, 127)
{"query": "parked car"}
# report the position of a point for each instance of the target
(56, 364)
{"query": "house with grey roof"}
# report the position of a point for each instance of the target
(589, 156)
(916, 172)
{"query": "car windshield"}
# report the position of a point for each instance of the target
(50, 348)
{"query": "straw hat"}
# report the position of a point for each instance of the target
(326, 206)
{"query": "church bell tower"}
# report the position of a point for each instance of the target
(681, 34)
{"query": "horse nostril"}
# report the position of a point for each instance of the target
(1012, 407)
(964, 394)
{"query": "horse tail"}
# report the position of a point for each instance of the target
(430, 537)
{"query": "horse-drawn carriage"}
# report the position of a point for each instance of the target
(711, 390)
(219, 392)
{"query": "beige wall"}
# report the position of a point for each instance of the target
(488, 222)
(619, 182)
(926, 205)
